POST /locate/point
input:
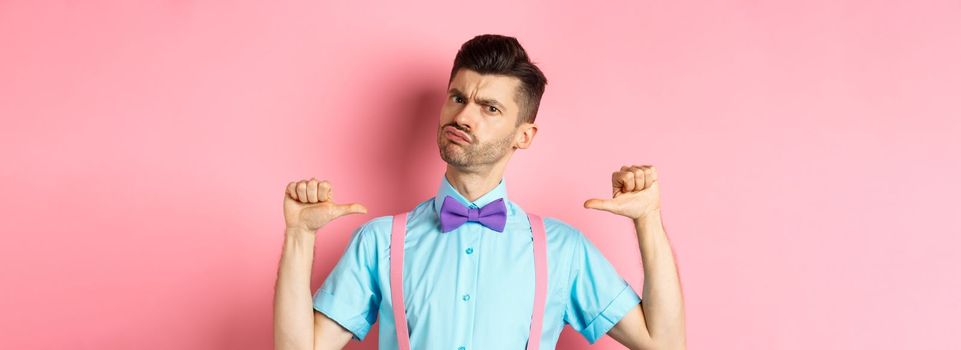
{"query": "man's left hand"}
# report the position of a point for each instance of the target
(635, 193)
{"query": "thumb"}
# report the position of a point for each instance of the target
(347, 209)
(600, 204)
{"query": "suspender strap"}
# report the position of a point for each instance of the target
(399, 231)
(540, 280)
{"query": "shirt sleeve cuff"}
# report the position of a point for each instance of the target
(622, 303)
(356, 324)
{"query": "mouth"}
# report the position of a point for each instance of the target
(456, 135)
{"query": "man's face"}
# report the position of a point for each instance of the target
(482, 108)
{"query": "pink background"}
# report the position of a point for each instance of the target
(808, 155)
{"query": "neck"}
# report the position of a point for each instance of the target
(474, 183)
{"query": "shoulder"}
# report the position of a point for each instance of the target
(560, 227)
(370, 235)
(379, 228)
(376, 224)
(563, 234)
(375, 228)
(559, 224)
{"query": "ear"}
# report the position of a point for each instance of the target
(526, 135)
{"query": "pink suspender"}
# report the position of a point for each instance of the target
(397, 234)
(399, 230)
(540, 280)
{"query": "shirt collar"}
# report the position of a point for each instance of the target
(446, 189)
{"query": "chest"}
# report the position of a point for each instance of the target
(469, 267)
(474, 282)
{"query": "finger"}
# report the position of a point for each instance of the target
(302, 191)
(292, 190)
(638, 178)
(615, 183)
(347, 209)
(623, 181)
(312, 190)
(600, 204)
(323, 191)
(648, 176)
(620, 189)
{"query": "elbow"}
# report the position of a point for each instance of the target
(673, 338)
(678, 343)
(655, 344)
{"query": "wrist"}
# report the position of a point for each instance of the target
(299, 231)
(651, 216)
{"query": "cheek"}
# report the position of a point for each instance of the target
(449, 108)
(446, 115)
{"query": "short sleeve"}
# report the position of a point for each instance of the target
(350, 295)
(599, 297)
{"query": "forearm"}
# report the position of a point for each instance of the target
(293, 305)
(661, 296)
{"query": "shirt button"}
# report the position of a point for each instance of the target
(466, 297)
(470, 250)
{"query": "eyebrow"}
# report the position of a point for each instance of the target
(482, 100)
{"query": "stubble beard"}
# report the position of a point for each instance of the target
(472, 154)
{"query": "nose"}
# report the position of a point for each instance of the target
(466, 117)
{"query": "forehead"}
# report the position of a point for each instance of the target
(502, 88)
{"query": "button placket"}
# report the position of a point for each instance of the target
(472, 267)
(470, 280)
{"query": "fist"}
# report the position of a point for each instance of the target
(635, 193)
(309, 205)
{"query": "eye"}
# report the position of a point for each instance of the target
(492, 109)
(457, 99)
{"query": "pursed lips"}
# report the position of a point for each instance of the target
(457, 133)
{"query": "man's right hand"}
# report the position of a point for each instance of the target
(309, 205)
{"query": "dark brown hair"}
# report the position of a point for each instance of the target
(504, 55)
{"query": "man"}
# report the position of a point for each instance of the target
(468, 285)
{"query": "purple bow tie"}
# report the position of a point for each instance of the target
(453, 214)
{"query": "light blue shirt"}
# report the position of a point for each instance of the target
(473, 287)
